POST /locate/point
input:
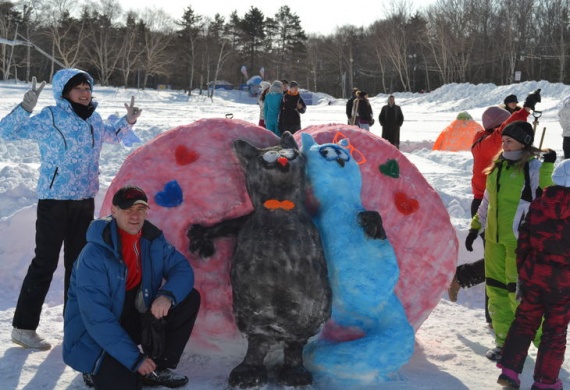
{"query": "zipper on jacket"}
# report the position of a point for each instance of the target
(53, 178)
(57, 128)
(500, 167)
(92, 136)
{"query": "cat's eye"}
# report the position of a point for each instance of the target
(273, 155)
(333, 153)
(287, 153)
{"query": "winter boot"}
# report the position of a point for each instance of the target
(495, 354)
(509, 379)
(547, 386)
(88, 380)
(453, 290)
(29, 339)
(164, 377)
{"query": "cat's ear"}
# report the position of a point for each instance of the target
(245, 151)
(288, 142)
(308, 141)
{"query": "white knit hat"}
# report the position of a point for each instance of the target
(264, 85)
(561, 174)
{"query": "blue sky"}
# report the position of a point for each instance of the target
(317, 16)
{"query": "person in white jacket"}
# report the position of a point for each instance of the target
(564, 119)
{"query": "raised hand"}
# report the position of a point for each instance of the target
(132, 112)
(31, 97)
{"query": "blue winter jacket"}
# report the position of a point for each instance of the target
(69, 146)
(97, 293)
(271, 110)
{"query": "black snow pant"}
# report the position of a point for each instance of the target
(112, 375)
(472, 274)
(59, 222)
(566, 147)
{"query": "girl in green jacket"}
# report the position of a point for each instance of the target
(514, 179)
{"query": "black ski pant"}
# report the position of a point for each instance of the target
(566, 147)
(472, 274)
(112, 375)
(59, 222)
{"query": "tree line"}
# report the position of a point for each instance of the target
(451, 41)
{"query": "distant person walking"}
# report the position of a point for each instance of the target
(291, 108)
(350, 105)
(391, 119)
(264, 88)
(272, 107)
(365, 115)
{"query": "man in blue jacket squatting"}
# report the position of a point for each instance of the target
(116, 286)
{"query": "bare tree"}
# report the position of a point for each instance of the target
(104, 46)
(67, 34)
(129, 55)
(157, 33)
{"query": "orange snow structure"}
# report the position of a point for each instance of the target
(458, 136)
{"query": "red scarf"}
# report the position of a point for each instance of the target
(131, 249)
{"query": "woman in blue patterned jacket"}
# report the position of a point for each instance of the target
(70, 136)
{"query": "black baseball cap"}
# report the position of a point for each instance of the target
(128, 196)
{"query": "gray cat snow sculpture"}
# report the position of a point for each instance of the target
(281, 292)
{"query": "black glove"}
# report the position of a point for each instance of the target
(471, 237)
(153, 335)
(371, 221)
(200, 242)
(532, 98)
(550, 156)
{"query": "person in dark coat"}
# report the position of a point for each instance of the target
(349, 105)
(391, 119)
(292, 106)
(365, 115)
(543, 263)
(129, 286)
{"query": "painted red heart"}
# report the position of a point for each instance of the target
(405, 204)
(185, 156)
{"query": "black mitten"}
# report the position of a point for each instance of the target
(532, 98)
(371, 221)
(550, 156)
(471, 237)
(153, 337)
(199, 241)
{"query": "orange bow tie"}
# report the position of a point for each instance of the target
(274, 204)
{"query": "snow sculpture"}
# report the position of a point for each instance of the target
(281, 292)
(369, 336)
(207, 186)
(414, 217)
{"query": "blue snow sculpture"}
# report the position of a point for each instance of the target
(369, 336)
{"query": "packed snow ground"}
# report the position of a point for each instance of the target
(450, 345)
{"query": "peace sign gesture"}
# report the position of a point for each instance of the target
(31, 97)
(132, 112)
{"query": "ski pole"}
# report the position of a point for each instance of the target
(542, 138)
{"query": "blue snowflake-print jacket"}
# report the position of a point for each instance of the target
(69, 146)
